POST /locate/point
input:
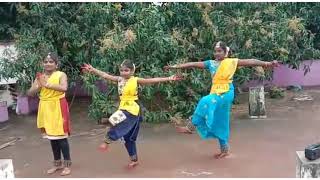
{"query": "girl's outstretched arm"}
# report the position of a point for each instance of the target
(143, 81)
(255, 62)
(90, 69)
(187, 65)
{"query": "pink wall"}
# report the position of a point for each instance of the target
(284, 76)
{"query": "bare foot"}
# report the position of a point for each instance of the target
(103, 147)
(221, 155)
(66, 171)
(132, 164)
(44, 136)
(54, 169)
(185, 130)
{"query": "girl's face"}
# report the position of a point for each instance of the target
(49, 64)
(125, 72)
(219, 53)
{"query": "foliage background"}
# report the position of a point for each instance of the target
(103, 34)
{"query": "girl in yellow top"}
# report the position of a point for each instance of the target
(126, 120)
(53, 112)
(212, 114)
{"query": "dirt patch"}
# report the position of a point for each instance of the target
(260, 148)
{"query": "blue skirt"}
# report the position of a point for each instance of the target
(128, 128)
(212, 116)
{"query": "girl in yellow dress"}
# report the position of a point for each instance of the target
(126, 120)
(53, 112)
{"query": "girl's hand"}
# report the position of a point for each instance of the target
(167, 68)
(87, 68)
(176, 77)
(38, 75)
(273, 64)
(35, 84)
(41, 79)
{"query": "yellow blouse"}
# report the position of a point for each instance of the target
(129, 95)
(223, 76)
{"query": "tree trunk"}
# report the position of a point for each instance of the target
(257, 102)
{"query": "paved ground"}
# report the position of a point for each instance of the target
(261, 148)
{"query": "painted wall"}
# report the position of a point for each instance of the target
(284, 76)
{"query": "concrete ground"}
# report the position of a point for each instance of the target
(260, 148)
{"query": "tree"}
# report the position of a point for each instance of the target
(104, 34)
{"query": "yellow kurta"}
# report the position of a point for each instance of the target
(129, 96)
(49, 111)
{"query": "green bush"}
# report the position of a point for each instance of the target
(103, 34)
